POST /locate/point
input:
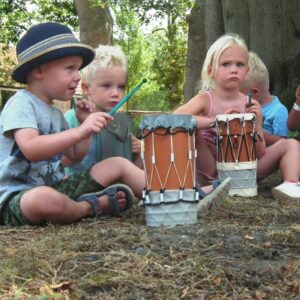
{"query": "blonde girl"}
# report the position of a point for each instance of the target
(225, 68)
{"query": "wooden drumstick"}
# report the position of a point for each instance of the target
(249, 102)
(127, 97)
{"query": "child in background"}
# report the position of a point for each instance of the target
(275, 114)
(224, 70)
(103, 85)
(294, 115)
(34, 136)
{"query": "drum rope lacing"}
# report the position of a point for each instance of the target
(230, 146)
(190, 165)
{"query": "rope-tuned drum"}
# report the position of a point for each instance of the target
(169, 157)
(236, 155)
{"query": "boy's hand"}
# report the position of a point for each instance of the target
(297, 94)
(255, 108)
(94, 123)
(83, 109)
(136, 145)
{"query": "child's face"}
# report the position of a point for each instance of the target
(107, 88)
(58, 79)
(232, 68)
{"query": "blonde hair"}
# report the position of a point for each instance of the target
(258, 74)
(106, 57)
(213, 54)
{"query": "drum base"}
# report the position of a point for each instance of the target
(171, 211)
(243, 177)
(251, 192)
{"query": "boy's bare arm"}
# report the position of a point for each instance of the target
(261, 144)
(73, 142)
(294, 115)
(271, 139)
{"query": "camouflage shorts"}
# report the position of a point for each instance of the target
(72, 186)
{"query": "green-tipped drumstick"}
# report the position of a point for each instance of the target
(126, 98)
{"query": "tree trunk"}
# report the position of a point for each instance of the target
(236, 17)
(270, 28)
(214, 24)
(196, 49)
(96, 23)
(205, 25)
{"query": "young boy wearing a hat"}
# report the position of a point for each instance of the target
(34, 136)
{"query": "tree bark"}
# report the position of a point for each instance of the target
(96, 23)
(196, 49)
(270, 28)
(214, 22)
(236, 18)
(205, 26)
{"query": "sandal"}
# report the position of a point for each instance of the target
(214, 199)
(115, 210)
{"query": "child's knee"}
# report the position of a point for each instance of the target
(120, 162)
(294, 143)
(291, 145)
(43, 199)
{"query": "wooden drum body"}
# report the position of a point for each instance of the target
(169, 156)
(236, 155)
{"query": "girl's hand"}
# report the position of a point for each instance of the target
(232, 110)
(94, 123)
(255, 108)
(83, 109)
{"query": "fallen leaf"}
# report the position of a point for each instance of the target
(11, 251)
(54, 288)
(260, 296)
(46, 290)
(217, 280)
(295, 227)
(66, 285)
(249, 237)
(295, 287)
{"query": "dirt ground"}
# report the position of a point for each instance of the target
(248, 249)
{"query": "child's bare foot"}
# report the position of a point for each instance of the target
(112, 200)
(105, 206)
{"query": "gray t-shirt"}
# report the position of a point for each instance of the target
(114, 140)
(24, 110)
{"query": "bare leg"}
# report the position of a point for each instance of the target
(285, 155)
(46, 204)
(118, 169)
(206, 168)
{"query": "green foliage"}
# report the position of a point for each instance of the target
(140, 58)
(6, 63)
(14, 19)
(157, 9)
(18, 15)
(156, 53)
(61, 11)
(163, 52)
(294, 135)
(169, 68)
